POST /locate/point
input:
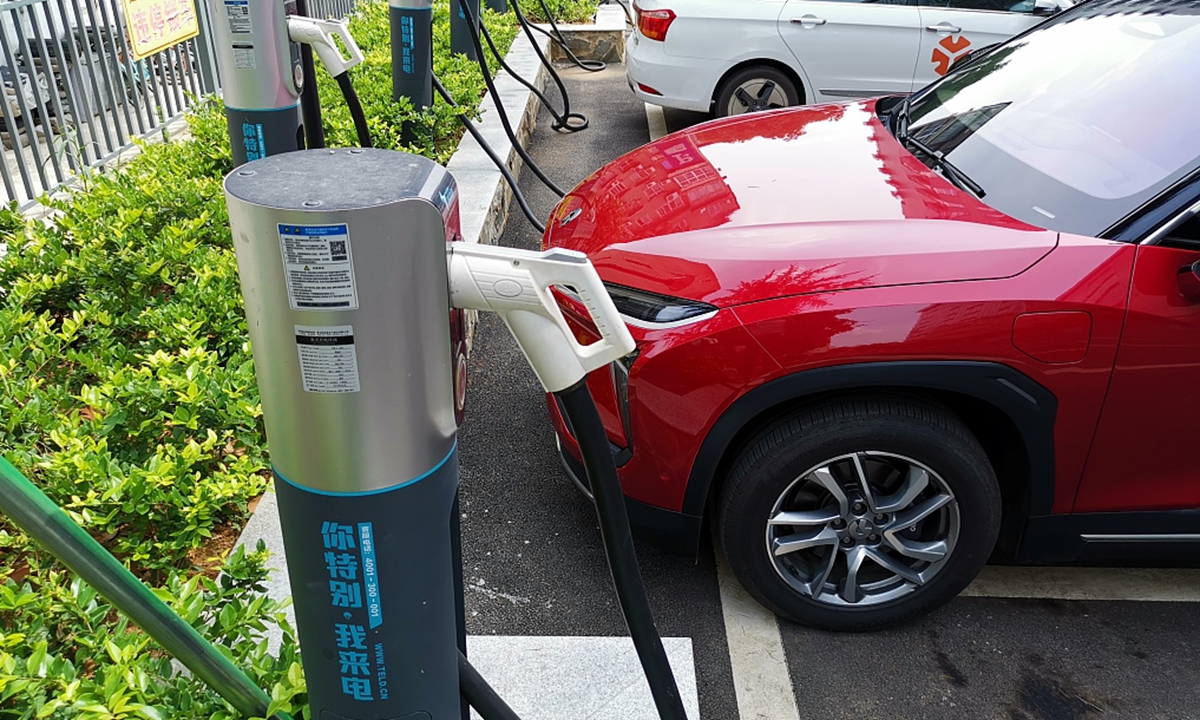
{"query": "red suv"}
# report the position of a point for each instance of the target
(884, 341)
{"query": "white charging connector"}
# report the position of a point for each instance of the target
(516, 285)
(320, 35)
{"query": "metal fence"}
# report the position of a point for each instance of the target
(330, 8)
(74, 97)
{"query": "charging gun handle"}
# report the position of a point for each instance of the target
(516, 285)
(320, 35)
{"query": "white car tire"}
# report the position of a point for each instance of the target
(755, 88)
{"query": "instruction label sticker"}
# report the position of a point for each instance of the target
(318, 266)
(238, 14)
(328, 360)
(243, 56)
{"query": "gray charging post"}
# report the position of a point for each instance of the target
(261, 74)
(342, 256)
(412, 54)
(349, 270)
(460, 28)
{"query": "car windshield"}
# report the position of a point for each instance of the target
(1078, 123)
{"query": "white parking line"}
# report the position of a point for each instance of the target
(759, 665)
(656, 120)
(760, 672)
(578, 678)
(1082, 583)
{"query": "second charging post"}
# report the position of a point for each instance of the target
(412, 55)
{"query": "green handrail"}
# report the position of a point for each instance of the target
(47, 523)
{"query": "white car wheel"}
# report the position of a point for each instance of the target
(753, 89)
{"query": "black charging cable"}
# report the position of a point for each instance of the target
(481, 696)
(526, 27)
(310, 104)
(556, 35)
(561, 122)
(583, 417)
(508, 176)
(356, 109)
(580, 409)
(472, 21)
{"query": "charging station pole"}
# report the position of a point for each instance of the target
(412, 55)
(499, 6)
(460, 28)
(261, 75)
(342, 256)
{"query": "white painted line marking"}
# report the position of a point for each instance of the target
(1084, 583)
(578, 678)
(760, 672)
(656, 120)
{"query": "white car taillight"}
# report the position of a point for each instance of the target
(653, 24)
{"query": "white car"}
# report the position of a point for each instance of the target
(734, 56)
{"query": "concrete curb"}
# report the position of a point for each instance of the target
(602, 40)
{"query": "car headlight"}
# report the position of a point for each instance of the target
(657, 309)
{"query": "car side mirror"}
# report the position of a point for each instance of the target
(1046, 8)
(1189, 281)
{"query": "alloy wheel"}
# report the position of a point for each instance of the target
(862, 529)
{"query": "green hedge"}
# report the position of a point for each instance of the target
(373, 83)
(564, 11)
(127, 394)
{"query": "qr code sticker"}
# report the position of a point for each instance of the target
(337, 251)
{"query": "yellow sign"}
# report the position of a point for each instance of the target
(156, 25)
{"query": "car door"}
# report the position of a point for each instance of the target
(1141, 457)
(853, 48)
(950, 28)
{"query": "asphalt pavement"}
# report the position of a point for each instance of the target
(533, 561)
(534, 564)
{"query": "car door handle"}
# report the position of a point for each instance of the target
(943, 27)
(808, 21)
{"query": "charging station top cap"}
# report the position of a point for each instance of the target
(342, 179)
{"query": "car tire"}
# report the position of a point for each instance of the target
(762, 88)
(808, 543)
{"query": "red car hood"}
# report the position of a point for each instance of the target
(784, 203)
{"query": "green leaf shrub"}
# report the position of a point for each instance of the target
(64, 652)
(127, 395)
(564, 11)
(373, 84)
(126, 386)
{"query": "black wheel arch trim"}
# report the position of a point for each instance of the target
(1155, 537)
(1031, 407)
